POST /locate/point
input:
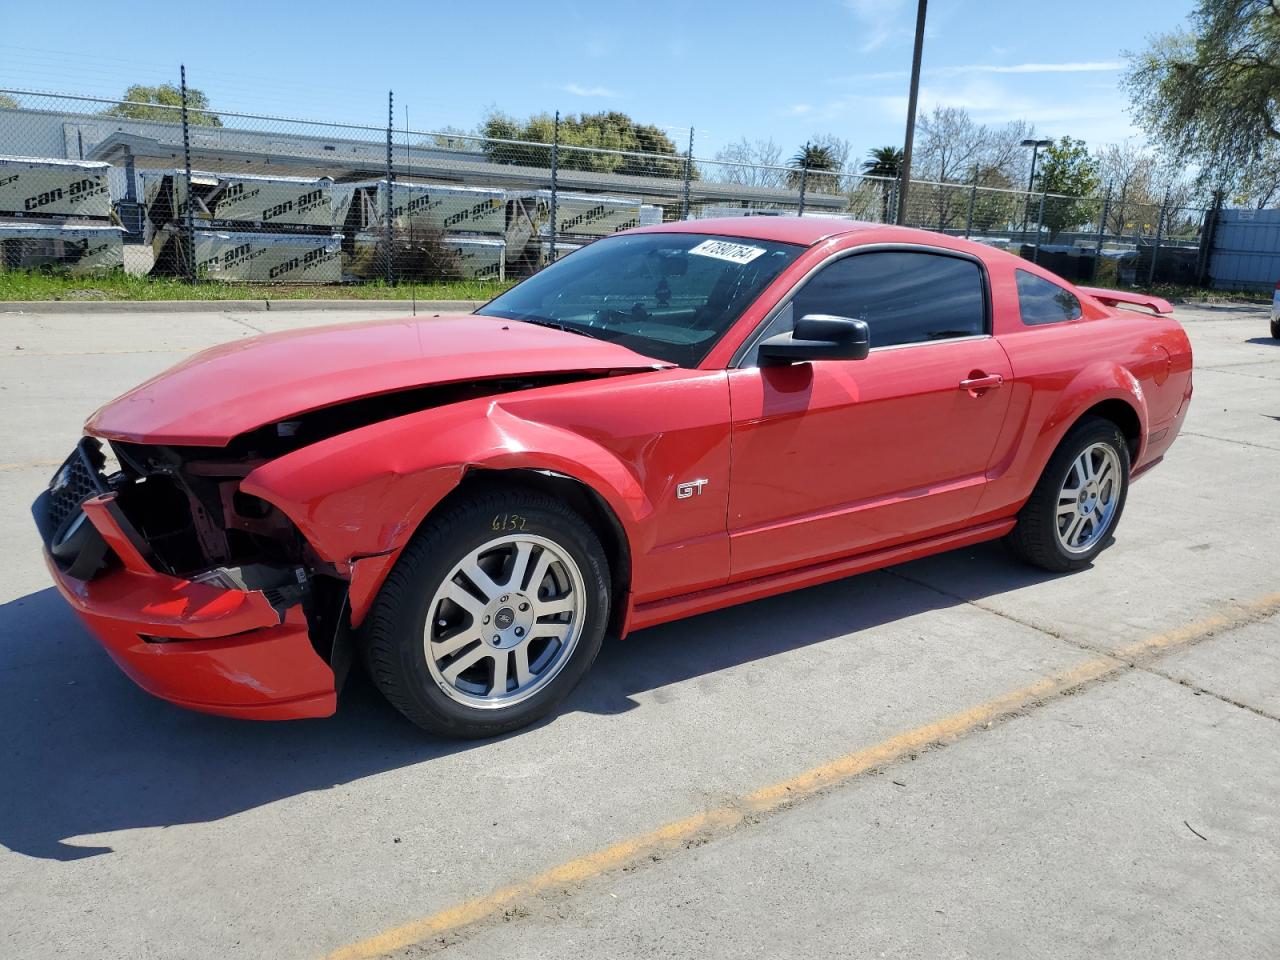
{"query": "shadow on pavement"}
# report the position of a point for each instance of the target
(86, 752)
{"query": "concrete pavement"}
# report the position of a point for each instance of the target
(133, 829)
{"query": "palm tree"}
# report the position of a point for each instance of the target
(883, 162)
(816, 165)
(886, 163)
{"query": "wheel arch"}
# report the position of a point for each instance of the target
(1107, 390)
(1123, 414)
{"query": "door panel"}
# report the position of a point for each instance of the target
(837, 457)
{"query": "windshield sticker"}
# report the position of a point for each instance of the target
(724, 250)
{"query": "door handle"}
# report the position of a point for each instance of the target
(987, 382)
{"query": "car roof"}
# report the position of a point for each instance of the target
(803, 230)
(815, 229)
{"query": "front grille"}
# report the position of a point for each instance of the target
(78, 479)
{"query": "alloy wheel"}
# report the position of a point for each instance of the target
(1088, 498)
(504, 621)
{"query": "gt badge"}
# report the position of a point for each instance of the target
(690, 488)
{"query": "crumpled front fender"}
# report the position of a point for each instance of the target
(363, 493)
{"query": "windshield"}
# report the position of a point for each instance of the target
(667, 295)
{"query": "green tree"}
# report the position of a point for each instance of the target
(1211, 94)
(7, 102)
(822, 166)
(1069, 172)
(158, 103)
(886, 164)
(883, 162)
(607, 130)
(995, 206)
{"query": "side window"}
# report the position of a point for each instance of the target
(1042, 301)
(904, 297)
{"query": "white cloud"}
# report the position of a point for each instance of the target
(1090, 66)
(969, 69)
(880, 20)
(800, 109)
(578, 90)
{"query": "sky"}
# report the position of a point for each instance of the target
(783, 70)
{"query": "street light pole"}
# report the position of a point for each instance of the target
(1035, 146)
(905, 173)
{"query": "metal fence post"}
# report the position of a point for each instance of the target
(973, 198)
(1207, 232)
(1155, 249)
(555, 186)
(189, 228)
(1102, 229)
(1035, 256)
(804, 177)
(386, 228)
(688, 178)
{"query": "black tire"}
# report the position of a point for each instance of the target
(1035, 539)
(1275, 329)
(393, 634)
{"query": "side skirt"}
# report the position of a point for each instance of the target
(686, 605)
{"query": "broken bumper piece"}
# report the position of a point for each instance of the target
(203, 646)
(227, 652)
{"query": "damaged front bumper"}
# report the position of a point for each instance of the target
(199, 641)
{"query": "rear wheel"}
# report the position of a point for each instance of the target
(491, 616)
(1071, 514)
(1275, 329)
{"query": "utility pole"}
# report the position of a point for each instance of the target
(911, 114)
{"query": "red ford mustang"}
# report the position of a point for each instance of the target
(666, 422)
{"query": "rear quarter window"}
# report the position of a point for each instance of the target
(1042, 301)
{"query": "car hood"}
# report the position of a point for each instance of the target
(228, 390)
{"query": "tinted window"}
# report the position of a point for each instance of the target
(1042, 301)
(666, 295)
(904, 297)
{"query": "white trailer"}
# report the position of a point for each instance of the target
(361, 207)
(235, 199)
(580, 214)
(445, 258)
(78, 249)
(39, 187)
(253, 257)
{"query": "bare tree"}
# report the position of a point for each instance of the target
(1131, 174)
(763, 159)
(1004, 159)
(951, 147)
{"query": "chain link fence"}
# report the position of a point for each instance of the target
(89, 185)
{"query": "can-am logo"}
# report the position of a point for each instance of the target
(471, 213)
(233, 257)
(584, 218)
(76, 192)
(307, 261)
(417, 205)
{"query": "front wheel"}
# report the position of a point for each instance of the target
(491, 616)
(1069, 518)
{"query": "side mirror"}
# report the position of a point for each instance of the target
(818, 337)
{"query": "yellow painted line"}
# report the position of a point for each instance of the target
(774, 797)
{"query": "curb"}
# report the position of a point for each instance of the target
(228, 306)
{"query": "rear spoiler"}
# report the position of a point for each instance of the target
(1116, 298)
